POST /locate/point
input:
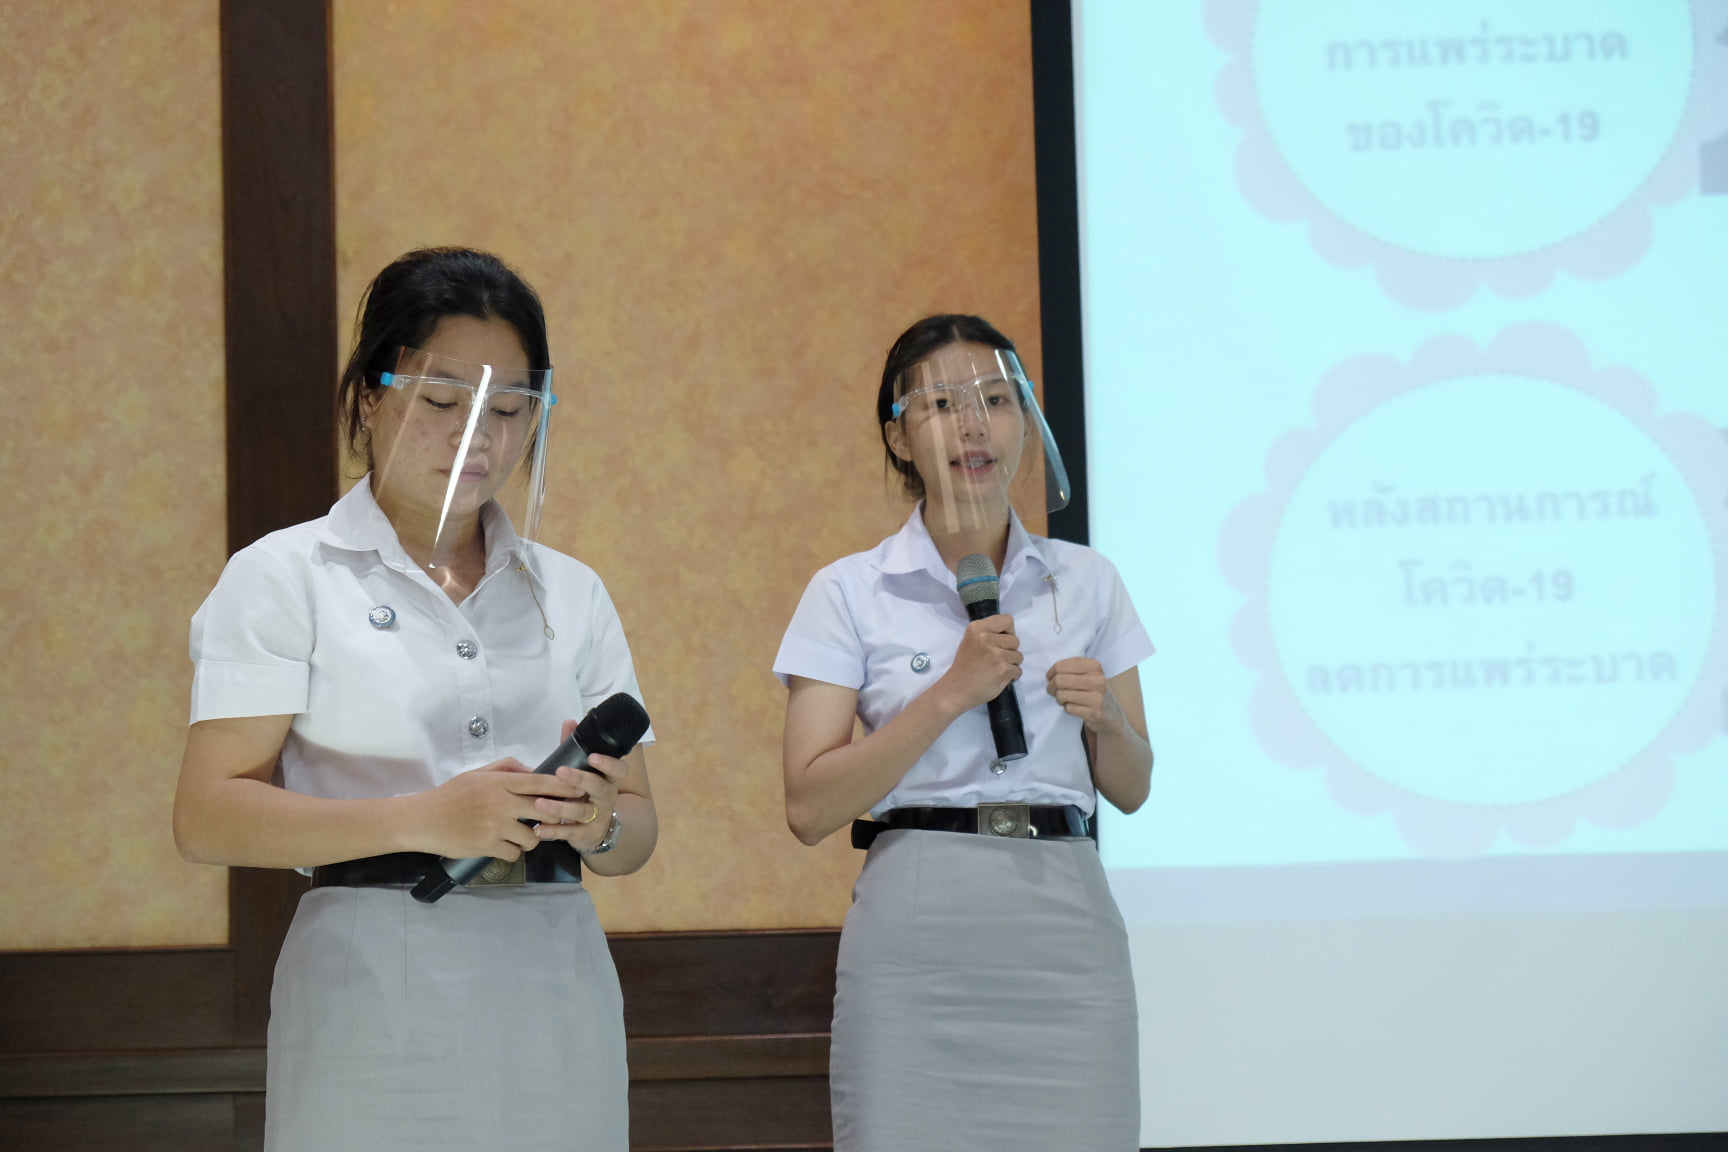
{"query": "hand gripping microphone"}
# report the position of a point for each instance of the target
(611, 728)
(979, 589)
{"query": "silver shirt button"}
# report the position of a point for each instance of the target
(467, 649)
(478, 727)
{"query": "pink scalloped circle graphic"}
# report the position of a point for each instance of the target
(1483, 592)
(1455, 147)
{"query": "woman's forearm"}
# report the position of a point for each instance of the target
(844, 782)
(246, 822)
(1121, 766)
(227, 811)
(638, 832)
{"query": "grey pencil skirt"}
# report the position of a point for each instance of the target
(489, 1020)
(984, 1000)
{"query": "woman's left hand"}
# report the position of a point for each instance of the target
(583, 822)
(1078, 684)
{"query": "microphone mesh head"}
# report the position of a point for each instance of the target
(976, 578)
(614, 726)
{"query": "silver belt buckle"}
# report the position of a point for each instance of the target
(1012, 820)
(502, 873)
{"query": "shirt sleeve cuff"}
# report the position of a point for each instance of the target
(800, 657)
(1125, 652)
(223, 689)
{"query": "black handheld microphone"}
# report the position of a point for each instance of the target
(611, 728)
(979, 590)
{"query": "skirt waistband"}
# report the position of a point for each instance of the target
(553, 862)
(1016, 821)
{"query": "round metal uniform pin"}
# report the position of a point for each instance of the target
(381, 617)
(921, 662)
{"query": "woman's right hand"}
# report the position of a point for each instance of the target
(987, 661)
(832, 778)
(479, 813)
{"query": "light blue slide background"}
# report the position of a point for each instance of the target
(1208, 328)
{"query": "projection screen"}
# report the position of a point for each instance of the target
(1406, 380)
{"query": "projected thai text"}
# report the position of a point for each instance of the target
(1459, 586)
(1384, 510)
(1485, 47)
(1539, 637)
(1487, 128)
(1587, 670)
(1452, 160)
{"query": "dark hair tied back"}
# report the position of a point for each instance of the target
(915, 344)
(403, 305)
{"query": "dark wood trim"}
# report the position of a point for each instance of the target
(279, 258)
(728, 1057)
(168, 1071)
(116, 999)
(1059, 253)
(138, 1073)
(727, 983)
(702, 1115)
(127, 1123)
(677, 985)
(728, 1042)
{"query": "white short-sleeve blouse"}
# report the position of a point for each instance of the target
(393, 688)
(888, 622)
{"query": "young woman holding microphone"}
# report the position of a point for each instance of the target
(984, 998)
(368, 690)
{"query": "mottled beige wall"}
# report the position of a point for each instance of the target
(111, 459)
(731, 209)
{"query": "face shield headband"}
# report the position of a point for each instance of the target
(453, 435)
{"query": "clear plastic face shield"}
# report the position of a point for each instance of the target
(449, 435)
(966, 417)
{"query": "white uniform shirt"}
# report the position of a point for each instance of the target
(871, 620)
(439, 690)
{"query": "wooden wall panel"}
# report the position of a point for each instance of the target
(96, 1001)
(120, 1124)
(110, 456)
(280, 282)
(162, 1048)
(736, 1113)
(727, 1033)
(727, 983)
(731, 210)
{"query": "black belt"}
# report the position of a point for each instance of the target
(553, 862)
(1015, 821)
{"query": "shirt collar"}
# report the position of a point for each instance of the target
(357, 524)
(912, 550)
(1025, 548)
